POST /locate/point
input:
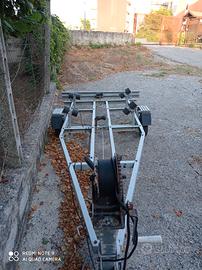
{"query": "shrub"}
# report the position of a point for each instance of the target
(60, 42)
(191, 45)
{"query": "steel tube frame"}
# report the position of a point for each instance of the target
(134, 164)
(84, 166)
(111, 137)
(92, 137)
(116, 100)
(132, 184)
(104, 93)
(88, 222)
(119, 127)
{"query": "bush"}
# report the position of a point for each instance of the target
(191, 45)
(60, 42)
(181, 39)
(99, 46)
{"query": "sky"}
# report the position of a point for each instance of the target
(70, 11)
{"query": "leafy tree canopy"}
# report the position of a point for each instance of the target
(21, 16)
(163, 11)
(151, 27)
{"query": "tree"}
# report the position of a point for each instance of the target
(151, 28)
(85, 24)
(19, 17)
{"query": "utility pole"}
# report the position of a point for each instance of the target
(84, 17)
(9, 131)
(47, 49)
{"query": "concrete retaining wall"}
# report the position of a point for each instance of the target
(14, 49)
(80, 37)
(16, 192)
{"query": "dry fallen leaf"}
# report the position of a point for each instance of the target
(68, 218)
(178, 212)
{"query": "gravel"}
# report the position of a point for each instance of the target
(169, 184)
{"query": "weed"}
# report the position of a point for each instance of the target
(191, 45)
(178, 69)
(186, 70)
(45, 241)
(99, 46)
(158, 74)
(138, 44)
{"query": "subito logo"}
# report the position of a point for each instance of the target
(13, 256)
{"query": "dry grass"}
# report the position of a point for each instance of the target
(177, 69)
(87, 64)
(69, 214)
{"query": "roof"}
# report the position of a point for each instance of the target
(196, 7)
(196, 14)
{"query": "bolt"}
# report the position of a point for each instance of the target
(130, 205)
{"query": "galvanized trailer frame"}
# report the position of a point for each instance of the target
(108, 99)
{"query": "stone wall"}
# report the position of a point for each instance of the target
(14, 50)
(16, 192)
(80, 37)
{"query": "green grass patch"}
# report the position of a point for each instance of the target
(177, 69)
(100, 46)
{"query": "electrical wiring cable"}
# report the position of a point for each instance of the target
(127, 242)
(134, 239)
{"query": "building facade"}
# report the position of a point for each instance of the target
(115, 15)
(143, 7)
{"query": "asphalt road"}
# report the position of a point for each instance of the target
(188, 56)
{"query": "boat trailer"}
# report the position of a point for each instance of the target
(111, 223)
